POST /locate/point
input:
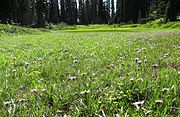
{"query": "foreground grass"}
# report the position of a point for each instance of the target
(90, 74)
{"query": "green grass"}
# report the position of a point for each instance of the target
(92, 73)
(161, 25)
(12, 29)
(105, 29)
(157, 24)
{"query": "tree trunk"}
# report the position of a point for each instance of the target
(171, 11)
(40, 13)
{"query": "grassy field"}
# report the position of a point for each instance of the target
(124, 72)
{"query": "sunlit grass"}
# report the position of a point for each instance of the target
(115, 73)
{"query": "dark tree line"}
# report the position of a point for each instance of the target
(38, 12)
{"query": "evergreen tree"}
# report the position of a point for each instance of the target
(171, 13)
(25, 12)
(54, 11)
(94, 11)
(5, 10)
(40, 13)
(62, 10)
(29, 12)
(82, 11)
(112, 8)
(71, 12)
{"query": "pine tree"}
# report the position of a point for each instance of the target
(62, 10)
(5, 11)
(25, 12)
(112, 8)
(40, 13)
(81, 12)
(94, 11)
(70, 12)
(54, 11)
(171, 13)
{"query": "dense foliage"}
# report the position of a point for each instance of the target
(37, 12)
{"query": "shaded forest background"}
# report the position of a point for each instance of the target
(39, 12)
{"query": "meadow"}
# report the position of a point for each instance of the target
(123, 72)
